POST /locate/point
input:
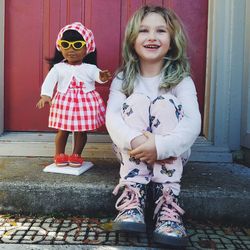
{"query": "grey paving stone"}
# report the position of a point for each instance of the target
(90, 231)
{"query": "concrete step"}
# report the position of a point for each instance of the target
(210, 191)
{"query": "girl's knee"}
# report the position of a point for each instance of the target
(166, 102)
(167, 112)
(135, 111)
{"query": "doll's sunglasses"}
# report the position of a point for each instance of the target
(76, 44)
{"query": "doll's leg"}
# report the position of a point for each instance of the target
(61, 138)
(134, 174)
(80, 139)
(166, 112)
(60, 141)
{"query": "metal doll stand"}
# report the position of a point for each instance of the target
(53, 168)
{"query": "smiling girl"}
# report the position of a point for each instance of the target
(153, 119)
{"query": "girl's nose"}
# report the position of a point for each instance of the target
(151, 36)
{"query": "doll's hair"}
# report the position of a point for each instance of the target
(71, 36)
(176, 65)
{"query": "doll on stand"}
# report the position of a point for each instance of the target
(76, 106)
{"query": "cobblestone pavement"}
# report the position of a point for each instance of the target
(89, 231)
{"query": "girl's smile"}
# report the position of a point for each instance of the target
(153, 40)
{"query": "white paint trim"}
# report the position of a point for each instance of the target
(2, 9)
(43, 145)
(209, 90)
(226, 42)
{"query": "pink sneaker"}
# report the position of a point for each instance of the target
(75, 160)
(131, 206)
(169, 228)
(61, 160)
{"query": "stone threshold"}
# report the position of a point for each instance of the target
(99, 146)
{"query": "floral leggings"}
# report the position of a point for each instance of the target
(159, 116)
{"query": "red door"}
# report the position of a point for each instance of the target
(30, 34)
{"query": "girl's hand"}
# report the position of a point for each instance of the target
(44, 99)
(147, 151)
(105, 75)
(137, 141)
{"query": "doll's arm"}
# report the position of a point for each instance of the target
(105, 75)
(49, 82)
(47, 88)
(43, 100)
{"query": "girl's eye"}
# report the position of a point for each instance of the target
(143, 30)
(161, 31)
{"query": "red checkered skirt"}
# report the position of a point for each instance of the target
(76, 110)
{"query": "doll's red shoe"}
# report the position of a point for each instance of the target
(75, 160)
(61, 160)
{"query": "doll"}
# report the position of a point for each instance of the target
(76, 106)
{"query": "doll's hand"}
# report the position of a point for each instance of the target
(147, 151)
(105, 75)
(44, 99)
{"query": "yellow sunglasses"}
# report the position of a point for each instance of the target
(76, 44)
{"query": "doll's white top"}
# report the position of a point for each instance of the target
(178, 140)
(62, 73)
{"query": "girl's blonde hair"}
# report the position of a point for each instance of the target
(176, 65)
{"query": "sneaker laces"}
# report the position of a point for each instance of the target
(129, 199)
(169, 209)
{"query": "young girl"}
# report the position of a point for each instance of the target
(76, 106)
(153, 119)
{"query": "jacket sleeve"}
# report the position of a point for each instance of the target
(120, 133)
(184, 135)
(50, 82)
(94, 73)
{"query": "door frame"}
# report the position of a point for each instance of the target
(2, 11)
(225, 72)
(245, 129)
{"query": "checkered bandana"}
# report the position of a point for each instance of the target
(86, 33)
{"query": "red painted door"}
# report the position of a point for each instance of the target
(30, 34)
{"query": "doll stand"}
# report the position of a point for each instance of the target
(52, 168)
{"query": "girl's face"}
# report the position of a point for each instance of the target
(153, 40)
(73, 56)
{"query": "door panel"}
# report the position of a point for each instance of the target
(31, 31)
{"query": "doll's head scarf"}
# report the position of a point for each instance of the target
(86, 34)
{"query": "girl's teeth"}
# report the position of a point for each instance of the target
(151, 46)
